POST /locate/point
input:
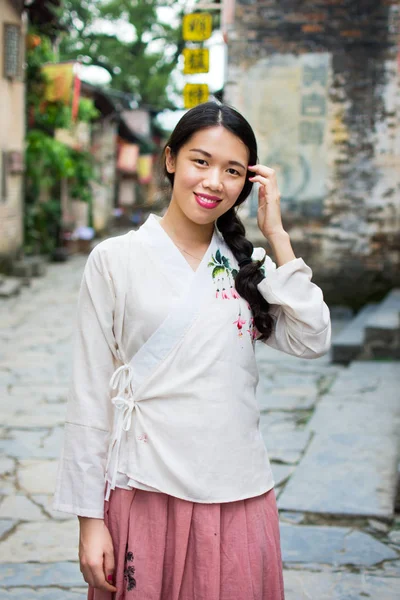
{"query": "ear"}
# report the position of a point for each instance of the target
(169, 160)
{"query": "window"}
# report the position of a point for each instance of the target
(12, 51)
(3, 176)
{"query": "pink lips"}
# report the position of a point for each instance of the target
(205, 201)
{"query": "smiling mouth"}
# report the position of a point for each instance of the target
(207, 201)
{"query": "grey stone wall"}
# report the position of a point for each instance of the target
(319, 81)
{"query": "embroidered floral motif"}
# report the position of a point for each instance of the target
(223, 276)
(239, 323)
(224, 280)
(143, 438)
(129, 571)
(252, 330)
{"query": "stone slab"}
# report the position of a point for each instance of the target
(21, 508)
(305, 585)
(37, 476)
(344, 474)
(44, 415)
(348, 416)
(35, 443)
(22, 394)
(6, 525)
(387, 314)
(298, 380)
(281, 473)
(286, 399)
(294, 518)
(278, 421)
(367, 376)
(7, 465)
(64, 574)
(10, 286)
(394, 537)
(348, 343)
(8, 485)
(387, 401)
(285, 447)
(28, 543)
(332, 546)
(391, 569)
(45, 501)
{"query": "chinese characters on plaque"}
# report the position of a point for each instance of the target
(197, 27)
(194, 94)
(196, 60)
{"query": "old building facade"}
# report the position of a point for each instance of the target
(319, 81)
(12, 129)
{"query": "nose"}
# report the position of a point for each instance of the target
(213, 180)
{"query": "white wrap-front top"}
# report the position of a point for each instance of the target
(162, 393)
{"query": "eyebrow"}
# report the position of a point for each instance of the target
(231, 162)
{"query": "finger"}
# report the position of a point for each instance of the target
(109, 566)
(268, 186)
(267, 171)
(100, 581)
(262, 195)
(260, 179)
(87, 576)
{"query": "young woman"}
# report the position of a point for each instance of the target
(168, 472)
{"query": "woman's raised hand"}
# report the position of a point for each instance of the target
(269, 216)
(269, 211)
(96, 554)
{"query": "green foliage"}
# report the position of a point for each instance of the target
(87, 111)
(141, 66)
(49, 161)
(82, 176)
(41, 227)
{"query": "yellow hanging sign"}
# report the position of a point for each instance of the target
(197, 60)
(197, 27)
(194, 94)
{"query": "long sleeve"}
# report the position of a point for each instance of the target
(80, 480)
(302, 319)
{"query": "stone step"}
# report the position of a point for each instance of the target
(313, 544)
(348, 344)
(382, 330)
(30, 266)
(10, 286)
(350, 466)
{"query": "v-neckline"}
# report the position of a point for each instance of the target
(172, 244)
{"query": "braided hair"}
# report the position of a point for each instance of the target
(211, 114)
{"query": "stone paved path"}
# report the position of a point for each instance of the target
(326, 557)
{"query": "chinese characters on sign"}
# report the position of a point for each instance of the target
(194, 94)
(313, 105)
(197, 27)
(196, 60)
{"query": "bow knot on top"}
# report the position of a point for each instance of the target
(125, 406)
(122, 380)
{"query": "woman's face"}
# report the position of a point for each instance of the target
(209, 173)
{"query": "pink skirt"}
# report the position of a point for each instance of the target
(171, 549)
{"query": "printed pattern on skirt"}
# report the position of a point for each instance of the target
(171, 549)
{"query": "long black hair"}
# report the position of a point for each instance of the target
(211, 114)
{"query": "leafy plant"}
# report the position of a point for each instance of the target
(48, 161)
(87, 111)
(139, 64)
(42, 222)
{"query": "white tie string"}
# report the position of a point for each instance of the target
(122, 382)
(125, 407)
